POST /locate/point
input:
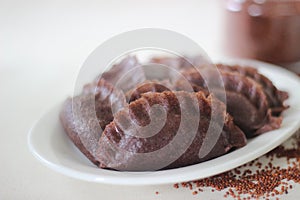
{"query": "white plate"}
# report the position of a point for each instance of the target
(48, 142)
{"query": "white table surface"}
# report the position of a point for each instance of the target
(42, 46)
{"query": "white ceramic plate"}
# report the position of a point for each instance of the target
(48, 142)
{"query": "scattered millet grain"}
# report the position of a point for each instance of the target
(260, 178)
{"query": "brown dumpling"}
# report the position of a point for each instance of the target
(275, 97)
(108, 100)
(126, 74)
(122, 71)
(245, 99)
(83, 129)
(163, 130)
(177, 64)
(248, 104)
(180, 63)
(148, 86)
(82, 115)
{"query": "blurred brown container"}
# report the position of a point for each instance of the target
(267, 30)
